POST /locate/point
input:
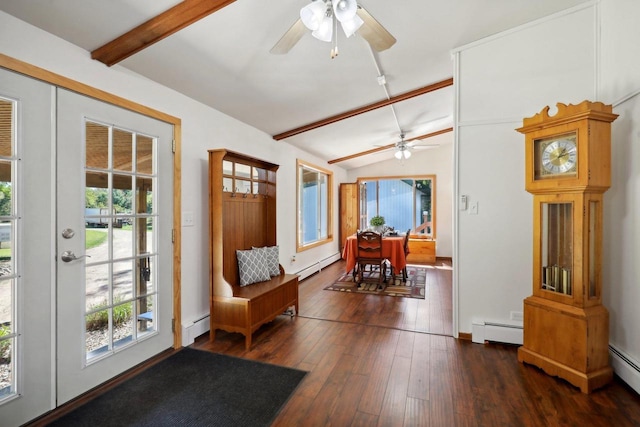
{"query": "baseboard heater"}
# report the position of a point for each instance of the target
(505, 332)
(625, 367)
(194, 330)
(318, 266)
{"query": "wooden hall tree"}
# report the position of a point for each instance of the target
(242, 216)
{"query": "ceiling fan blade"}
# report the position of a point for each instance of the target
(373, 32)
(290, 38)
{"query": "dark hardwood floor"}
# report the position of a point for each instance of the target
(390, 362)
(432, 314)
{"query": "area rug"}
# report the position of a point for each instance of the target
(193, 388)
(414, 287)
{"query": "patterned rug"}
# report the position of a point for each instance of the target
(412, 288)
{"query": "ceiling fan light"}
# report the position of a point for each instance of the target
(325, 31)
(345, 9)
(352, 25)
(407, 154)
(398, 154)
(313, 14)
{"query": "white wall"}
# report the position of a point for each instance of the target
(435, 161)
(588, 52)
(619, 84)
(203, 128)
(501, 80)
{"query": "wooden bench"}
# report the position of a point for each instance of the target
(251, 306)
(421, 249)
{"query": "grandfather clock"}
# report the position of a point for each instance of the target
(568, 169)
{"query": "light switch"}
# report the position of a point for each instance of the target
(474, 209)
(463, 202)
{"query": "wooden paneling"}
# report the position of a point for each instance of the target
(348, 211)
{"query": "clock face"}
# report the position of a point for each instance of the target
(557, 156)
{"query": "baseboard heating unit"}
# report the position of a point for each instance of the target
(194, 330)
(625, 367)
(318, 266)
(509, 332)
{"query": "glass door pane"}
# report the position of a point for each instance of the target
(8, 276)
(119, 215)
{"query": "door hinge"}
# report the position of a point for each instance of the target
(173, 325)
(173, 146)
(173, 235)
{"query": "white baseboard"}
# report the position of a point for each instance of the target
(625, 367)
(507, 331)
(318, 266)
(194, 330)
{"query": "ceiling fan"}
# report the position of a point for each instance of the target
(322, 18)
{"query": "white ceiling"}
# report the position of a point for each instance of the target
(223, 61)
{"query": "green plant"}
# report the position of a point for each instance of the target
(100, 319)
(5, 345)
(376, 221)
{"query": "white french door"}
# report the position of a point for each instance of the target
(86, 249)
(114, 186)
(27, 249)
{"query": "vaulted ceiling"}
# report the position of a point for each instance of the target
(338, 109)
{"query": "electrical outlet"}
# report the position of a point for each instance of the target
(517, 315)
(187, 219)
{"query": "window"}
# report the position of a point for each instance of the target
(120, 216)
(404, 202)
(9, 277)
(314, 206)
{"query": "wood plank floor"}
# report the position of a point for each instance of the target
(382, 361)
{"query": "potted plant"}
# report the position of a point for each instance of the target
(377, 222)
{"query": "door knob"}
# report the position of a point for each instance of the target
(68, 256)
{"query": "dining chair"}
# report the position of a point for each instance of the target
(370, 254)
(405, 246)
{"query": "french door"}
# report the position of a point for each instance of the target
(85, 244)
(114, 300)
(27, 249)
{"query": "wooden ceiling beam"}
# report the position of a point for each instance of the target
(348, 114)
(157, 28)
(386, 147)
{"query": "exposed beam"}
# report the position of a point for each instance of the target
(365, 109)
(386, 147)
(156, 29)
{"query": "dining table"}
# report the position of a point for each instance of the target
(392, 249)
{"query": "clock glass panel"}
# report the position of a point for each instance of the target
(557, 247)
(556, 156)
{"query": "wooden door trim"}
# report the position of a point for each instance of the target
(38, 73)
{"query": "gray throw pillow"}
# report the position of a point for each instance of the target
(272, 255)
(252, 267)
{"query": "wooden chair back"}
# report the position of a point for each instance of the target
(369, 245)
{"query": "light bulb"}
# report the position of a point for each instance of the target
(325, 31)
(313, 14)
(352, 25)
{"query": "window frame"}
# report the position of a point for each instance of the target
(362, 216)
(302, 165)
